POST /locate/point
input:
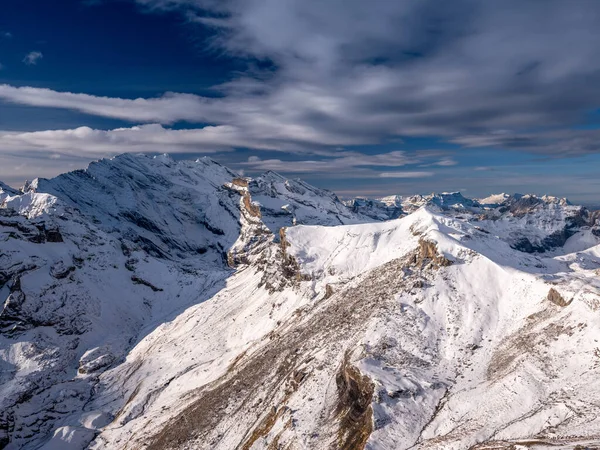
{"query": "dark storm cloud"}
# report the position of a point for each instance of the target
(552, 143)
(426, 67)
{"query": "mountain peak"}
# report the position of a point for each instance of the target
(271, 175)
(7, 190)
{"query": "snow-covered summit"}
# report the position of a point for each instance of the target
(6, 190)
(286, 202)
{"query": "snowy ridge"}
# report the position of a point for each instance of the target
(289, 202)
(6, 191)
(157, 304)
(528, 223)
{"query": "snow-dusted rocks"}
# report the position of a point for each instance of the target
(528, 223)
(377, 209)
(286, 202)
(6, 191)
(155, 304)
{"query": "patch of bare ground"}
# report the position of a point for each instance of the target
(354, 410)
(557, 299)
(529, 340)
(255, 391)
(263, 428)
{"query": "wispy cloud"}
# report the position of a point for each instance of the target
(166, 109)
(444, 162)
(32, 58)
(6, 34)
(381, 69)
(405, 174)
(346, 164)
(146, 138)
(93, 143)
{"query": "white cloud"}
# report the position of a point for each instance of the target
(32, 58)
(345, 164)
(444, 162)
(146, 138)
(405, 174)
(166, 109)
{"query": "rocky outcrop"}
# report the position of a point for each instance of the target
(279, 268)
(17, 227)
(138, 280)
(354, 410)
(329, 291)
(428, 254)
(12, 321)
(555, 297)
(254, 237)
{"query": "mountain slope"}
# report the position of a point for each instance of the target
(91, 261)
(157, 304)
(425, 340)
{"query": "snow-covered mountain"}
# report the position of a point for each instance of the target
(527, 222)
(157, 304)
(386, 208)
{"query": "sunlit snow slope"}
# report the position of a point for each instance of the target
(157, 304)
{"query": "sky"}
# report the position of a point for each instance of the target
(366, 98)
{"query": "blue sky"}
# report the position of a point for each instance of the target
(364, 98)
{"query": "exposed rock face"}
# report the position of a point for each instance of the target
(329, 291)
(38, 232)
(429, 254)
(11, 321)
(354, 409)
(557, 299)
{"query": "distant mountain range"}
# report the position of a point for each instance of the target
(155, 304)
